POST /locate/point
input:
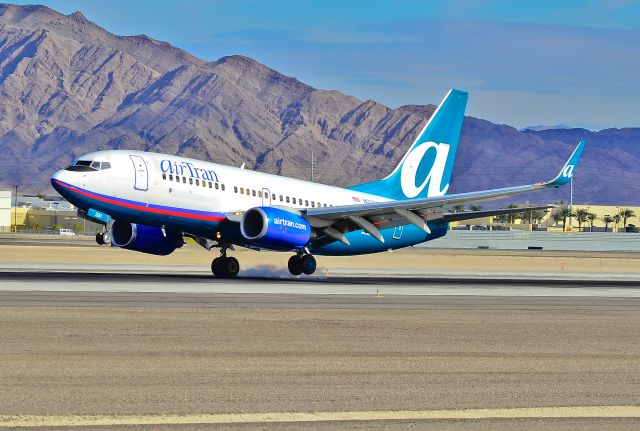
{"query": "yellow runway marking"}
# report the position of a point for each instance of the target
(509, 413)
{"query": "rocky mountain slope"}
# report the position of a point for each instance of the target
(68, 87)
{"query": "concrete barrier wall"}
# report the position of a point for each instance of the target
(522, 240)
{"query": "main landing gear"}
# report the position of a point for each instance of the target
(224, 266)
(302, 263)
(103, 238)
(228, 267)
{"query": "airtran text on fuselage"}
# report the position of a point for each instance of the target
(183, 168)
(288, 223)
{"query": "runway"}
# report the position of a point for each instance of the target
(138, 345)
(127, 280)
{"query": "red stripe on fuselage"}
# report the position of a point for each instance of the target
(139, 207)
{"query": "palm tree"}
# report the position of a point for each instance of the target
(626, 213)
(581, 215)
(565, 213)
(512, 216)
(501, 218)
(616, 219)
(592, 217)
(535, 216)
(556, 217)
(607, 219)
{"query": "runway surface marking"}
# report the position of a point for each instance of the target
(579, 412)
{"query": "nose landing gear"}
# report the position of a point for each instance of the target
(302, 263)
(224, 266)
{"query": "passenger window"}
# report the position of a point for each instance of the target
(306, 202)
(313, 204)
(253, 192)
(259, 194)
(294, 200)
(184, 180)
(197, 182)
(235, 189)
(170, 177)
(241, 190)
(222, 187)
(164, 176)
(280, 198)
(190, 180)
(287, 199)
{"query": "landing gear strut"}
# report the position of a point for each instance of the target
(302, 263)
(224, 266)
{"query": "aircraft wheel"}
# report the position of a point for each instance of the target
(225, 267)
(295, 265)
(231, 267)
(308, 264)
(217, 267)
(106, 238)
(100, 238)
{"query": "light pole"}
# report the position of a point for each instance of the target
(310, 153)
(571, 202)
(15, 209)
(55, 214)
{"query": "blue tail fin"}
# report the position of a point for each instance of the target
(425, 170)
(566, 173)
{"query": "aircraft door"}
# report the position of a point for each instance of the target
(266, 198)
(141, 173)
(397, 232)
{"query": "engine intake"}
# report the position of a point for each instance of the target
(275, 228)
(145, 239)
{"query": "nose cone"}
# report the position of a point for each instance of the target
(61, 179)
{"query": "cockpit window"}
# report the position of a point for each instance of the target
(88, 166)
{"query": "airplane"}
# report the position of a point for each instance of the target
(149, 202)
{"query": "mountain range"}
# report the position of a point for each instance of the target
(68, 87)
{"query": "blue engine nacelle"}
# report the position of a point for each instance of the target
(275, 228)
(145, 239)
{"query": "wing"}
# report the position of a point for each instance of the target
(332, 223)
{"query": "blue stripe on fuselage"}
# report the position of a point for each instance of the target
(139, 212)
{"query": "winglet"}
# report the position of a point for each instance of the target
(567, 170)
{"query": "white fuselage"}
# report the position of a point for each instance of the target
(180, 182)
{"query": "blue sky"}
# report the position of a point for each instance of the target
(524, 63)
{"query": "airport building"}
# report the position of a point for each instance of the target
(40, 214)
(595, 218)
(5, 211)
